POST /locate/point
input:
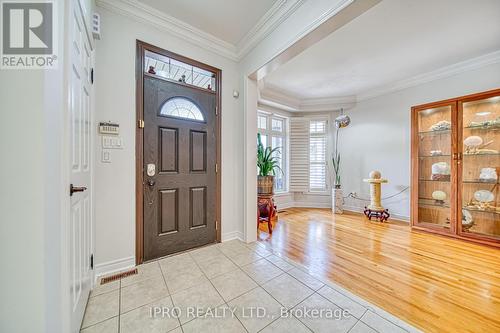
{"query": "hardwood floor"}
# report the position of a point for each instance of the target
(437, 284)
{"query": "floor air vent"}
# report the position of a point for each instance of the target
(118, 276)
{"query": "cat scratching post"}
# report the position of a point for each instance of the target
(375, 208)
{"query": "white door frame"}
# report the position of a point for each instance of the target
(57, 174)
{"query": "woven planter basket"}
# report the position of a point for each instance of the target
(265, 185)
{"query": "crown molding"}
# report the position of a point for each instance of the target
(328, 104)
(444, 72)
(278, 99)
(273, 96)
(146, 14)
(138, 11)
(278, 13)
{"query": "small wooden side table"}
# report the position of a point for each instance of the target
(265, 204)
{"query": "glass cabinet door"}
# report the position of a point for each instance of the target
(479, 167)
(435, 166)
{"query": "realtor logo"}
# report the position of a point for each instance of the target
(28, 35)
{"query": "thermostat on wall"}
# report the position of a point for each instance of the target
(109, 128)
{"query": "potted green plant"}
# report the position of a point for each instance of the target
(267, 164)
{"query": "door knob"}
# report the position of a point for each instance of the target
(151, 182)
(73, 189)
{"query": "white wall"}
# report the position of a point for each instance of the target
(22, 178)
(379, 135)
(32, 284)
(115, 101)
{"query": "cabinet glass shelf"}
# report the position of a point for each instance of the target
(486, 211)
(433, 203)
(481, 155)
(479, 181)
(439, 132)
(435, 181)
(485, 127)
(434, 156)
(464, 155)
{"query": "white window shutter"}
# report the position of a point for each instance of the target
(317, 166)
(299, 154)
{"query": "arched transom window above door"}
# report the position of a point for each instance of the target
(180, 107)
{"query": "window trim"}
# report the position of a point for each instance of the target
(284, 134)
(325, 134)
(198, 109)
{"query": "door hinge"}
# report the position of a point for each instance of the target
(92, 261)
(92, 76)
(141, 123)
(216, 168)
(216, 110)
(216, 225)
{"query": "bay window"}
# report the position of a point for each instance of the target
(272, 129)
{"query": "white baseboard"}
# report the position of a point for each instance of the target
(232, 235)
(122, 264)
(360, 210)
(306, 204)
(114, 266)
(285, 205)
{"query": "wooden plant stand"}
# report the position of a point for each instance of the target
(381, 216)
(265, 205)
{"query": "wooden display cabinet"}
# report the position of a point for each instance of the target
(455, 184)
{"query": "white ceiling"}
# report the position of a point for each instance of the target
(229, 20)
(395, 40)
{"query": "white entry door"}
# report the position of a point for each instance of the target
(80, 118)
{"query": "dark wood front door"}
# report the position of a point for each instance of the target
(179, 167)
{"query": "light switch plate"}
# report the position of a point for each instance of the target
(106, 156)
(112, 142)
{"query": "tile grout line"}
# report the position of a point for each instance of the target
(172, 299)
(152, 301)
(169, 295)
(258, 286)
(404, 329)
(262, 287)
(354, 326)
(119, 304)
(232, 270)
(225, 303)
(283, 272)
(100, 322)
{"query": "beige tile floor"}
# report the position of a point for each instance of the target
(255, 289)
